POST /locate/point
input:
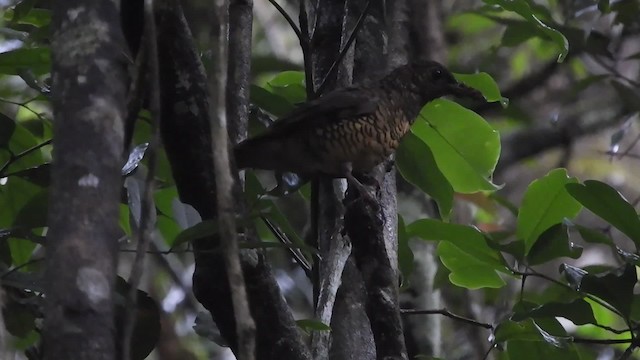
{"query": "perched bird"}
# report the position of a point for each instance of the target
(350, 130)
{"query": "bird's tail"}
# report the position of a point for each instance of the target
(258, 153)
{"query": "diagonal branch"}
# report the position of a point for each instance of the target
(286, 16)
(343, 51)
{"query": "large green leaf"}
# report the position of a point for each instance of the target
(467, 270)
(614, 286)
(522, 8)
(546, 202)
(578, 311)
(273, 103)
(7, 126)
(405, 254)
(482, 82)
(466, 148)
(416, 164)
(466, 238)
(290, 85)
(610, 205)
(35, 59)
(536, 350)
(552, 244)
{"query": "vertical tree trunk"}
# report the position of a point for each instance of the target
(89, 89)
(187, 139)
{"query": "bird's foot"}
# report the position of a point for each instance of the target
(388, 165)
(368, 192)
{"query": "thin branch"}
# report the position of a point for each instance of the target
(24, 105)
(145, 229)
(286, 16)
(21, 266)
(448, 314)
(578, 340)
(343, 52)
(305, 45)
(486, 354)
(615, 71)
(218, 66)
(293, 250)
(587, 295)
(18, 156)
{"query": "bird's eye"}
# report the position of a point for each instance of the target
(436, 74)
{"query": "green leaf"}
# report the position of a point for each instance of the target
(522, 8)
(290, 85)
(578, 311)
(614, 286)
(610, 205)
(34, 213)
(593, 236)
(34, 59)
(201, 230)
(7, 126)
(21, 250)
(164, 200)
(552, 244)
(19, 319)
(536, 350)
(309, 325)
(466, 238)
(36, 17)
(467, 270)
(482, 82)
(509, 330)
(274, 214)
(270, 102)
(518, 32)
(466, 161)
(546, 203)
(416, 164)
(38, 175)
(21, 9)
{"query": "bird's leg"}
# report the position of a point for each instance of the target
(389, 164)
(362, 189)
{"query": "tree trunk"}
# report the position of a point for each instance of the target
(89, 90)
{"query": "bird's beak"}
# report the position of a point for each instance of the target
(462, 90)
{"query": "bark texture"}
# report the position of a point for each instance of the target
(89, 91)
(187, 140)
(372, 227)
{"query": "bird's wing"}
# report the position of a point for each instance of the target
(337, 105)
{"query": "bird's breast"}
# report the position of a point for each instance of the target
(364, 142)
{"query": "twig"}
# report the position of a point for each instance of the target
(24, 105)
(218, 69)
(601, 341)
(448, 314)
(18, 156)
(628, 352)
(615, 71)
(587, 295)
(305, 45)
(294, 251)
(21, 266)
(288, 18)
(486, 354)
(343, 52)
(145, 227)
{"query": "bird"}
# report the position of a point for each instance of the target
(347, 132)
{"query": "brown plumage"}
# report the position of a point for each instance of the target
(351, 129)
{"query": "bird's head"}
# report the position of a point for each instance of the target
(432, 80)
